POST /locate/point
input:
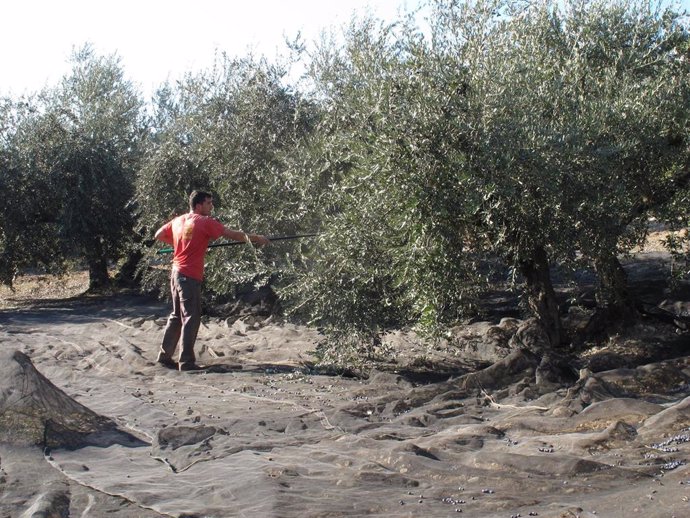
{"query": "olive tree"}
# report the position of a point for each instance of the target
(581, 116)
(396, 246)
(98, 113)
(576, 113)
(28, 228)
(530, 132)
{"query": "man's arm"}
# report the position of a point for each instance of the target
(164, 234)
(236, 235)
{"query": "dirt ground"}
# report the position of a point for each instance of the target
(91, 426)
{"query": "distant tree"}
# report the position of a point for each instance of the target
(73, 152)
(29, 228)
(100, 115)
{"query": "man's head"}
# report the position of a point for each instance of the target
(201, 202)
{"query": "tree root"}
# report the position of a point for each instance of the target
(510, 369)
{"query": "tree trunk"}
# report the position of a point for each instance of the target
(98, 268)
(615, 305)
(127, 276)
(541, 296)
(612, 293)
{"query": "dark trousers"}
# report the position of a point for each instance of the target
(184, 320)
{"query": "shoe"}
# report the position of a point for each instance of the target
(189, 367)
(166, 362)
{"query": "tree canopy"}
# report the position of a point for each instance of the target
(72, 152)
(536, 134)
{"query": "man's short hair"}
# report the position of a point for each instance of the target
(197, 198)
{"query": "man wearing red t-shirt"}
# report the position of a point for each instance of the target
(190, 235)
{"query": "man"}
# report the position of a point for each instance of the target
(189, 236)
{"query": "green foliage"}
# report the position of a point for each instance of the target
(70, 158)
(28, 228)
(229, 131)
(99, 114)
(574, 113)
(513, 129)
(396, 247)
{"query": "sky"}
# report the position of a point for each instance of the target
(158, 40)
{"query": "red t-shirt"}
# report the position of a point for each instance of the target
(190, 234)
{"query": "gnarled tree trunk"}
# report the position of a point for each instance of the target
(128, 275)
(615, 305)
(541, 296)
(612, 292)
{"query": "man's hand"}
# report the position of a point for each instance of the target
(245, 237)
(258, 240)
